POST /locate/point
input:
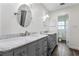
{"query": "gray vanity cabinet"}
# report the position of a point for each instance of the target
(52, 42)
(38, 48)
(31, 49)
(20, 51)
(44, 46)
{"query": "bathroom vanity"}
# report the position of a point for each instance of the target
(34, 45)
(52, 43)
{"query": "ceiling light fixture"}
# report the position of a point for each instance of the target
(62, 3)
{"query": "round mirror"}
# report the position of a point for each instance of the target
(24, 15)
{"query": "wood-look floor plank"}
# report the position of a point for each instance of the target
(62, 50)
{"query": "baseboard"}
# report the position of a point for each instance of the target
(75, 49)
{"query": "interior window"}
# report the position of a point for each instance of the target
(61, 24)
(60, 27)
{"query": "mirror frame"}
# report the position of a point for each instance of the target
(28, 16)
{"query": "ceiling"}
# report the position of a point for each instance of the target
(56, 6)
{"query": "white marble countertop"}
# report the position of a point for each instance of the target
(10, 43)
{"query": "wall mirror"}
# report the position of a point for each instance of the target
(24, 15)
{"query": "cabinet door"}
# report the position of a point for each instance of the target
(44, 46)
(36, 48)
(37, 51)
(22, 51)
(44, 53)
(39, 48)
(32, 49)
(51, 43)
(49, 40)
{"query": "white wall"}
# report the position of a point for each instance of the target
(37, 22)
(0, 21)
(8, 21)
(52, 24)
(73, 24)
(9, 24)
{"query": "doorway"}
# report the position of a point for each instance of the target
(62, 27)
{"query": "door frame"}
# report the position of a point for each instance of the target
(57, 24)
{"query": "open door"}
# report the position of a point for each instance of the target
(62, 25)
